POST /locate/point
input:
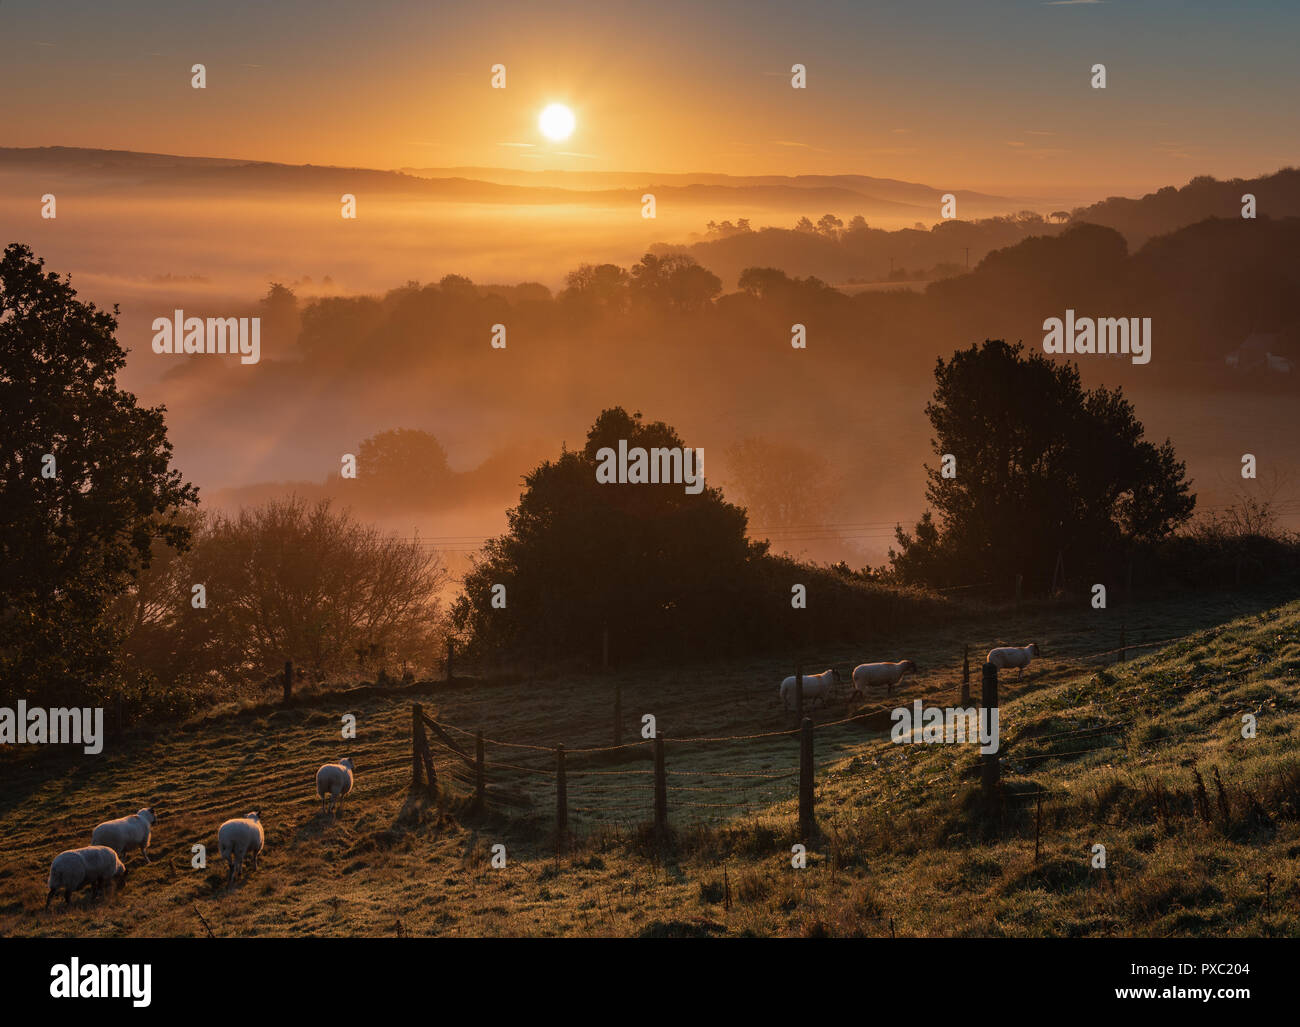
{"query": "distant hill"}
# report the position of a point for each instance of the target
(805, 194)
(1277, 196)
(889, 189)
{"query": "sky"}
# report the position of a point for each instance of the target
(993, 94)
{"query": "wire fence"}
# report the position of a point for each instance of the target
(714, 777)
(706, 777)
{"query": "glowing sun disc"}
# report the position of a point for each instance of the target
(556, 122)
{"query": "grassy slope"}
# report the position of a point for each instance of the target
(901, 832)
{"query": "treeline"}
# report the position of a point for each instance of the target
(1206, 287)
(1168, 209)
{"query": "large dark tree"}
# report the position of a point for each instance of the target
(1043, 468)
(86, 485)
(658, 566)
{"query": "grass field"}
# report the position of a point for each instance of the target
(903, 844)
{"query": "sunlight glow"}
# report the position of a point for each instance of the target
(556, 122)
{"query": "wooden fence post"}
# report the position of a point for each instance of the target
(1038, 823)
(288, 680)
(421, 756)
(661, 787)
(480, 774)
(798, 690)
(806, 817)
(965, 677)
(417, 728)
(451, 651)
(561, 798)
(618, 714)
(989, 702)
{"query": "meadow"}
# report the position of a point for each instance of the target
(904, 844)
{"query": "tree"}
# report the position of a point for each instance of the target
(86, 484)
(403, 465)
(772, 478)
(290, 580)
(281, 320)
(763, 282)
(675, 281)
(829, 225)
(597, 285)
(1042, 467)
(650, 561)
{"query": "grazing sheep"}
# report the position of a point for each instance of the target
(333, 782)
(865, 675)
(94, 865)
(127, 833)
(815, 686)
(238, 838)
(1009, 656)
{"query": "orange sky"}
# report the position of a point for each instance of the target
(978, 95)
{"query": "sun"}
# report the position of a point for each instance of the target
(556, 122)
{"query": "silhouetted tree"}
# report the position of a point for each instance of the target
(1042, 466)
(675, 282)
(596, 285)
(649, 560)
(402, 465)
(86, 484)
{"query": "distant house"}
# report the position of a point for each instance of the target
(1256, 355)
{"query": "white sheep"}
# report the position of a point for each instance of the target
(866, 675)
(238, 838)
(94, 865)
(333, 782)
(1009, 656)
(815, 686)
(127, 833)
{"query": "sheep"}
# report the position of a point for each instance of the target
(238, 838)
(94, 865)
(1009, 656)
(333, 782)
(127, 833)
(866, 675)
(815, 686)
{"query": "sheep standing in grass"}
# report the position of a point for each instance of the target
(238, 838)
(127, 833)
(333, 782)
(868, 675)
(815, 686)
(1014, 656)
(94, 865)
